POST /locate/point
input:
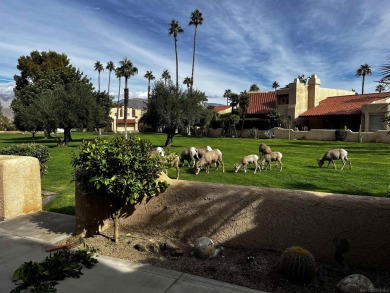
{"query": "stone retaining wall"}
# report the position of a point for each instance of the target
(265, 218)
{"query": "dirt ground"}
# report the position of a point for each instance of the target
(248, 268)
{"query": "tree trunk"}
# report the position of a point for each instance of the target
(242, 125)
(126, 102)
(363, 85)
(170, 135)
(177, 67)
(116, 228)
(117, 106)
(67, 135)
(193, 62)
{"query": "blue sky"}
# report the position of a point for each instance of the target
(240, 42)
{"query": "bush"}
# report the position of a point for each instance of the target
(30, 149)
(120, 171)
(341, 134)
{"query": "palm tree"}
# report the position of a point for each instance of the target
(275, 85)
(363, 71)
(227, 95)
(175, 29)
(110, 66)
(128, 70)
(166, 76)
(149, 76)
(118, 73)
(196, 19)
(379, 88)
(99, 68)
(254, 88)
(187, 81)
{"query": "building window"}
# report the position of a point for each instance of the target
(283, 100)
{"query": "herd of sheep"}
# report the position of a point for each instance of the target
(198, 158)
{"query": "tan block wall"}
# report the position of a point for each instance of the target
(265, 218)
(323, 93)
(20, 186)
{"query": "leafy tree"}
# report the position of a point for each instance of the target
(128, 70)
(149, 76)
(227, 95)
(166, 76)
(196, 19)
(275, 85)
(110, 67)
(363, 71)
(254, 88)
(234, 101)
(171, 108)
(120, 172)
(277, 118)
(99, 68)
(231, 120)
(243, 104)
(46, 81)
(175, 29)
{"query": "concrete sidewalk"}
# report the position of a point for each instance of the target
(26, 238)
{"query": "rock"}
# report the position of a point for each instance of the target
(355, 283)
(204, 248)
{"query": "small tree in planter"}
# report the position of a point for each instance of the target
(120, 171)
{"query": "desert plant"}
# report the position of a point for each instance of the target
(119, 171)
(297, 264)
(254, 132)
(30, 149)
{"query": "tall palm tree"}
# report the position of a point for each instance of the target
(166, 76)
(149, 76)
(128, 70)
(175, 29)
(118, 73)
(227, 95)
(99, 68)
(275, 85)
(363, 71)
(187, 82)
(379, 88)
(110, 66)
(196, 19)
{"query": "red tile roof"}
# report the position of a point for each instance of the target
(261, 103)
(343, 105)
(221, 108)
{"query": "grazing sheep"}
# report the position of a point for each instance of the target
(251, 159)
(171, 160)
(190, 155)
(158, 150)
(213, 156)
(336, 154)
(274, 156)
(264, 149)
(203, 150)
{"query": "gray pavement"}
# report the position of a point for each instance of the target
(26, 238)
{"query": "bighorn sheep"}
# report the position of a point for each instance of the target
(213, 156)
(264, 149)
(251, 159)
(203, 150)
(336, 154)
(273, 156)
(190, 155)
(171, 159)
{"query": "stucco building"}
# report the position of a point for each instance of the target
(118, 123)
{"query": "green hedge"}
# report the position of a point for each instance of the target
(29, 149)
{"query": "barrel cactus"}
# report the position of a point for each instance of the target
(297, 264)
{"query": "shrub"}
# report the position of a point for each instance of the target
(254, 133)
(30, 149)
(297, 264)
(341, 134)
(120, 171)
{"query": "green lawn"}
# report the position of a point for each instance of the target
(369, 174)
